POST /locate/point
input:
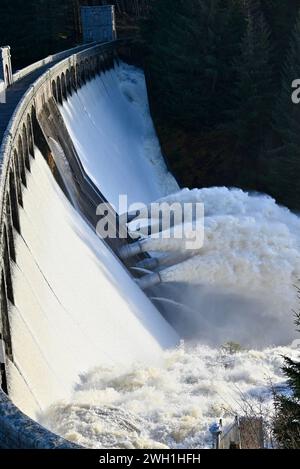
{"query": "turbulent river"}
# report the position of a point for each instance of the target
(232, 301)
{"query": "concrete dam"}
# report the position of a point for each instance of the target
(68, 303)
(87, 359)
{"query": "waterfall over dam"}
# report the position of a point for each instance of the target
(70, 304)
(75, 306)
(88, 354)
(71, 308)
(110, 124)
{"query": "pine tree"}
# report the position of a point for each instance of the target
(17, 30)
(287, 418)
(285, 162)
(250, 115)
(214, 73)
(191, 45)
(281, 16)
(37, 29)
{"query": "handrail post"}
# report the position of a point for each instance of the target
(216, 430)
(5, 66)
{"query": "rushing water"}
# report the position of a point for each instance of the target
(75, 307)
(172, 405)
(99, 345)
(242, 284)
(240, 287)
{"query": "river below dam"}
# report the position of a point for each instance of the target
(171, 406)
(232, 302)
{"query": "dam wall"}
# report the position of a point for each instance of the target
(17, 431)
(17, 153)
(56, 324)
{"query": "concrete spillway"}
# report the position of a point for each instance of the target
(75, 306)
(110, 124)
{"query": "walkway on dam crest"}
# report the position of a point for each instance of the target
(14, 94)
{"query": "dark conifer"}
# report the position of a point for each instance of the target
(254, 92)
(287, 416)
(285, 159)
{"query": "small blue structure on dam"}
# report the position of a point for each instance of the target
(98, 23)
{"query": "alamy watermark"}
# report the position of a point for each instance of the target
(296, 92)
(158, 220)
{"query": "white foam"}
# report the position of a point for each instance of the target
(239, 287)
(172, 405)
(248, 267)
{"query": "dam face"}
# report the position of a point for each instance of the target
(81, 135)
(83, 351)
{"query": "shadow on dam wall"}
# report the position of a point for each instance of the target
(37, 128)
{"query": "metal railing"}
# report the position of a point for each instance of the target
(243, 433)
(19, 74)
